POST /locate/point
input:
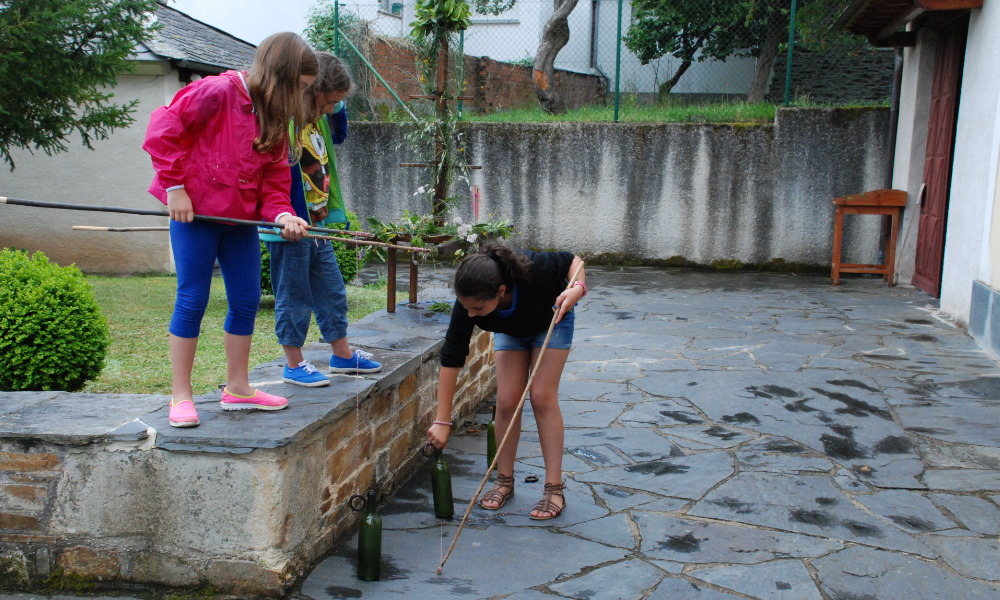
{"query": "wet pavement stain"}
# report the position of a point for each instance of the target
(800, 406)
(737, 506)
(680, 417)
(894, 444)
(784, 447)
(922, 337)
(862, 529)
(841, 447)
(336, 591)
(782, 585)
(813, 517)
(723, 434)
(824, 501)
(658, 468)
(686, 543)
(741, 417)
(983, 387)
(919, 321)
(770, 391)
(852, 383)
(913, 523)
(853, 406)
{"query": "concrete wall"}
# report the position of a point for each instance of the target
(752, 193)
(967, 254)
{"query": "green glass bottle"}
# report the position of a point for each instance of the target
(491, 438)
(370, 540)
(444, 506)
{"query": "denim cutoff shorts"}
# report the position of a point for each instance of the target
(562, 337)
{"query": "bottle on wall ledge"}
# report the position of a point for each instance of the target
(370, 540)
(444, 506)
(491, 438)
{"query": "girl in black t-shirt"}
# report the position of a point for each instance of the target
(514, 294)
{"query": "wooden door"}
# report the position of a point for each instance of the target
(937, 162)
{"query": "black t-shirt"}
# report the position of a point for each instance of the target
(531, 314)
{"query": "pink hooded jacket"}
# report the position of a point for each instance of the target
(204, 141)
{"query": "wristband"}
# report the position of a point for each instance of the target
(448, 423)
(581, 284)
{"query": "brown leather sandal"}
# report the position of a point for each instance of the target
(495, 495)
(546, 504)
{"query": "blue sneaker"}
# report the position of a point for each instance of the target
(305, 375)
(359, 363)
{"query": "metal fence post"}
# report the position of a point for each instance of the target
(791, 46)
(618, 61)
(336, 27)
(461, 71)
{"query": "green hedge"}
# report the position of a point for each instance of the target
(52, 333)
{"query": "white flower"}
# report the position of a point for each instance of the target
(472, 238)
(464, 229)
(420, 190)
(457, 220)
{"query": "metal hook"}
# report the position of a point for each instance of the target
(428, 449)
(357, 502)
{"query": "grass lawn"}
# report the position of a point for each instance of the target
(138, 311)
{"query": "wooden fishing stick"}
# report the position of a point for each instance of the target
(510, 426)
(163, 213)
(310, 236)
(96, 228)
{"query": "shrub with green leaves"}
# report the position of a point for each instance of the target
(52, 333)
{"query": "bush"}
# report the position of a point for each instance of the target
(52, 333)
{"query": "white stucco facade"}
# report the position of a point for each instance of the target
(115, 173)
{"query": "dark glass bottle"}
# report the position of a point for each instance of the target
(370, 541)
(491, 438)
(444, 506)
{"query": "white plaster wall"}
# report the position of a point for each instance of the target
(911, 144)
(116, 173)
(973, 181)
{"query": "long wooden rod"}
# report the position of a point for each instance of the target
(163, 213)
(510, 426)
(310, 236)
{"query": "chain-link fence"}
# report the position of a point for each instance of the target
(645, 51)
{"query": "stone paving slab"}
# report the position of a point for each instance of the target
(753, 436)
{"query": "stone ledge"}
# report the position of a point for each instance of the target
(246, 501)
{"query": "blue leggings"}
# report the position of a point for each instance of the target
(196, 247)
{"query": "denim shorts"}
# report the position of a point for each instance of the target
(562, 337)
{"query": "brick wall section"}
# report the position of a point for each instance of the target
(27, 481)
(493, 85)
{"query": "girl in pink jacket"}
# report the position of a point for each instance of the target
(220, 148)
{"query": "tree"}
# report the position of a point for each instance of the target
(689, 30)
(58, 58)
(555, 36)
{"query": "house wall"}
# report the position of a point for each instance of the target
(116, 173)
(968, 254)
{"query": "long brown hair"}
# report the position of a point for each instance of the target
(333, 76)
(273, 82)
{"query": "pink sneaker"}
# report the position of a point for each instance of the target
(259, 400)
(183, 414)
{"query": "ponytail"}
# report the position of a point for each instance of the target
(480, 275)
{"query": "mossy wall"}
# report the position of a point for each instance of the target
(701, 192)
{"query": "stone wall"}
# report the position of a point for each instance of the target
(120, 498)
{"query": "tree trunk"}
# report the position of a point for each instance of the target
(440, 206)
(668, 85)
(554, 38)
(765, 61)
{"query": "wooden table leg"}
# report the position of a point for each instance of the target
(390, 300)
(838, 232)
(890, 250)
(413, 277)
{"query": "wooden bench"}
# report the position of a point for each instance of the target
(877, 202)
